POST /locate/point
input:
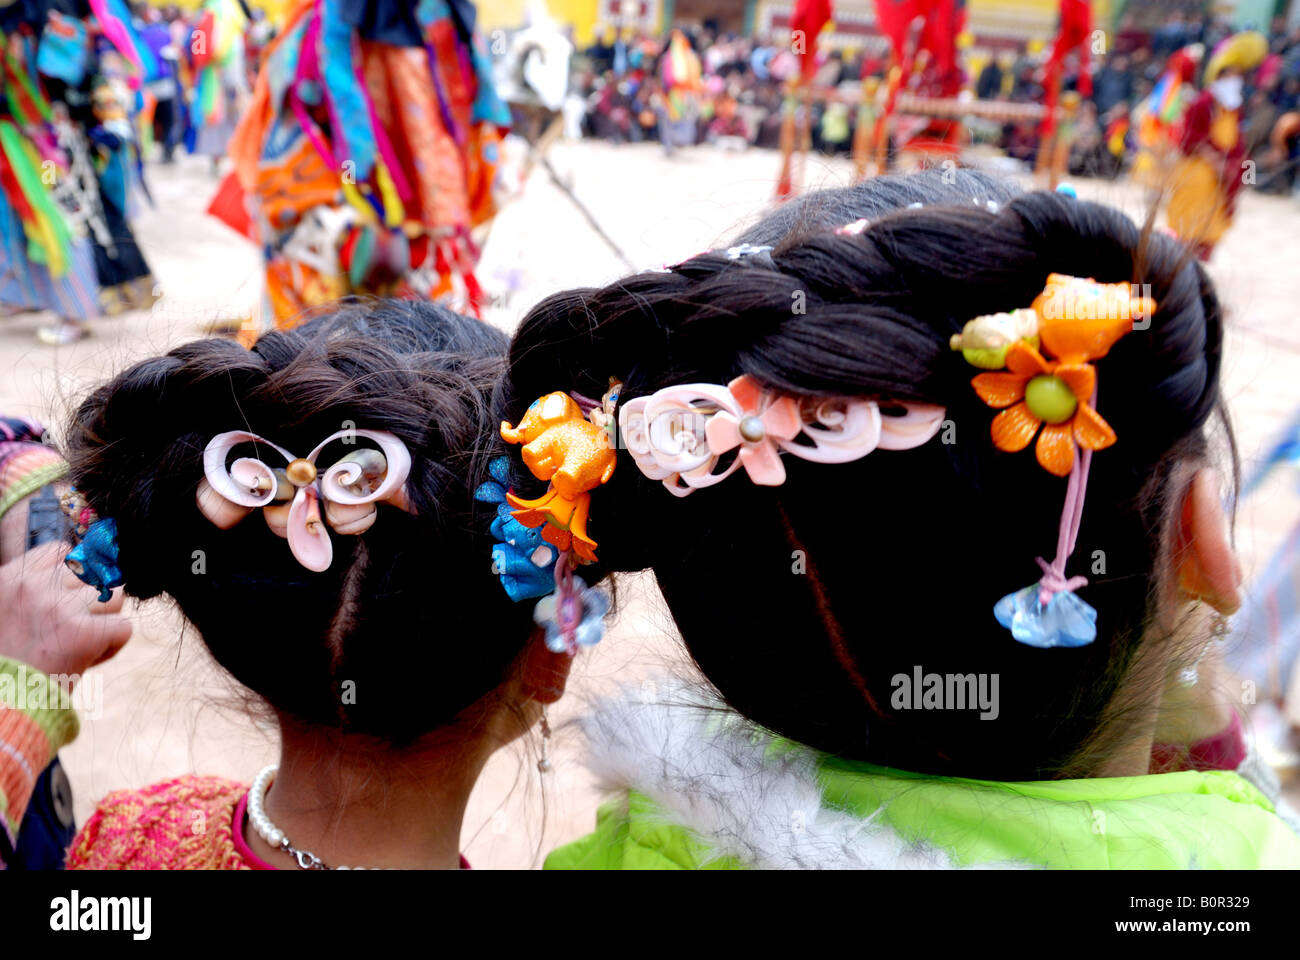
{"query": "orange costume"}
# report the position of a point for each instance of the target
(1211, 170)
(368, 153)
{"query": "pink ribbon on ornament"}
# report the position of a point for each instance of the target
(678, 434)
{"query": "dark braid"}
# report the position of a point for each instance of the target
(911, 549)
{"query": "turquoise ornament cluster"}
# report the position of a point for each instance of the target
(515, 555)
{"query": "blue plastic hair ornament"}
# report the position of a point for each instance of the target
(94, 559)
(521, 558)
(529, 567)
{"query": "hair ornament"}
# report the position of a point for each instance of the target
(984, 341)
(520, 558)
(94, 558)
(1051, 393)
(562, 446)
(567, 442)
(743, 250)
(679, 434)
(1074, 321)
(296, 499)
(573, 616)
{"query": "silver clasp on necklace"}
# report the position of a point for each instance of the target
(306, 860)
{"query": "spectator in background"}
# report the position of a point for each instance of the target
(1113, 84)
(1129, 37)
(989, 84)
(1170, 37)
(741, 89)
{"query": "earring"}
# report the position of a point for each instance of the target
(544, 764)
(1190, 676)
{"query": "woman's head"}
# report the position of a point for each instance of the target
(407, 627)
(802, 602)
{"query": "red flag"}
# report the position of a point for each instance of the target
(1076, 25)
(809, 16)
(944, 19)
(892, 19)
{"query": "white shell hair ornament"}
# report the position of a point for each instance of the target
(291, 497)
(679, 433)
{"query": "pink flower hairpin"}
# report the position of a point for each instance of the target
(291, 496)
(678, 434)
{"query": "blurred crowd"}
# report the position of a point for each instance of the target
(633, 90)
(172, 105)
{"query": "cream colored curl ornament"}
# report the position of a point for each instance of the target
(679, 434)
(291, 497)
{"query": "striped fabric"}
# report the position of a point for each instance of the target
(26, 464)
(29, 738)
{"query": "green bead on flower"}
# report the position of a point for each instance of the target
(1050, 399)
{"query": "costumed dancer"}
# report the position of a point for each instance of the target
(161, 125)
(367, 154)
(1160, 116)
(924, 62)
(220, 76)
(92, 60)
(1208, 176)
(125, 279)
(533, 75)
(46, 261)
(807, 20)
(679, 106)
(1059, 116)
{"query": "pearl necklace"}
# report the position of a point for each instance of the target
(271, 833)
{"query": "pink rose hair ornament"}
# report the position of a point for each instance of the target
(296, 498)
(1051, 394)
(680, 434)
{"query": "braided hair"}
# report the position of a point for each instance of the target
(802, 603)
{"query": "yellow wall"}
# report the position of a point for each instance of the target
(1020, 18)
(508, 14)
(1037, 15)
(274, 8)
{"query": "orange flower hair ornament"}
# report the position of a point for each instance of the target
(1075, 321)
(1051, 393)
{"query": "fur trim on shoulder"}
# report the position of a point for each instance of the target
(1257, 772)
(716, 774)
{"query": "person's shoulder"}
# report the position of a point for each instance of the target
(182, 823)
